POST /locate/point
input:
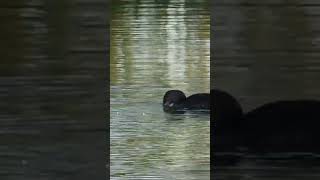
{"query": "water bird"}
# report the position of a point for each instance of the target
(280, 126)
(175, 101)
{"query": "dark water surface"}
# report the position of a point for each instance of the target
(157, 46)
(261, 52)
(52, 93)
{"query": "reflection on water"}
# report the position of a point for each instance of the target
(51, 104)
(275, 167)
(266, 51)
(156, 47)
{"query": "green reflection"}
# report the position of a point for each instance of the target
(167, 44)
(156, 47)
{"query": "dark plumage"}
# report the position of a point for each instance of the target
(281, 126)
(175, 101)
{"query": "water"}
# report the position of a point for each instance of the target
(262, 52)
(157, 46)
(52, 117)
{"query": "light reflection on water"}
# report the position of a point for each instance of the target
(154, 48)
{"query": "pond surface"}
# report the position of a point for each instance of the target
(156, 47)
(52, 103)
(263, 52)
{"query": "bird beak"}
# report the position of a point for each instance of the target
(169, 104)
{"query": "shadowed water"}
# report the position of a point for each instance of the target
(51, 100)
(263, 52)
(156, 47)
